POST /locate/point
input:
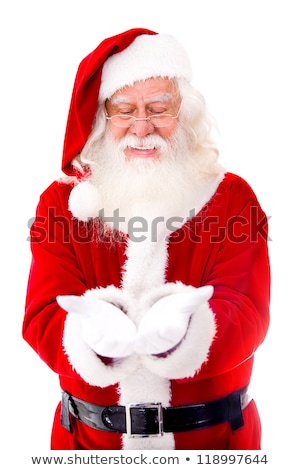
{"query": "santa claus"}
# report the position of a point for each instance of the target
(148, 292)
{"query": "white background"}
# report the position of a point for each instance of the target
(245, 56)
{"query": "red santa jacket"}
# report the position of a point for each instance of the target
(223, 245)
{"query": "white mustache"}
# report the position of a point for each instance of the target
(145, 143)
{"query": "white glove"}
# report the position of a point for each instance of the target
(105, 328)
(166, 323)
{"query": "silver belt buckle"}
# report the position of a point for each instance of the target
(156, 405)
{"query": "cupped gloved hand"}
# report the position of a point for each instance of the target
(165, 324)
(105, 328)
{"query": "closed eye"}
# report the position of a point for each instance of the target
(157, 110)
(125, 111)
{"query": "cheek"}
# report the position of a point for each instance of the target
(166, 132)
(117, 132)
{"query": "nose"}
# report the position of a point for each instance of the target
(142, 127)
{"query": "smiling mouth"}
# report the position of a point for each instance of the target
(142, 148)
(142, 152)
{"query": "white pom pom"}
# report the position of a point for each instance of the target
(84, 201)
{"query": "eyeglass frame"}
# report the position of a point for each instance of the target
(147, 118)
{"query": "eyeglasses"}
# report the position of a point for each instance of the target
(157, 120)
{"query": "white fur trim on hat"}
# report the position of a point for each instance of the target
(158, 55)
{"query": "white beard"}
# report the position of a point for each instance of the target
(153, 196)
(146, 188)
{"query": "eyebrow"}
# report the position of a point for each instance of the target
(155, 99)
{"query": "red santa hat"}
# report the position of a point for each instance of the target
(118, 61)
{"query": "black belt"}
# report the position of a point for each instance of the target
(148, 419)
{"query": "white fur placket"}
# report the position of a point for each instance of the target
(145, 270)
